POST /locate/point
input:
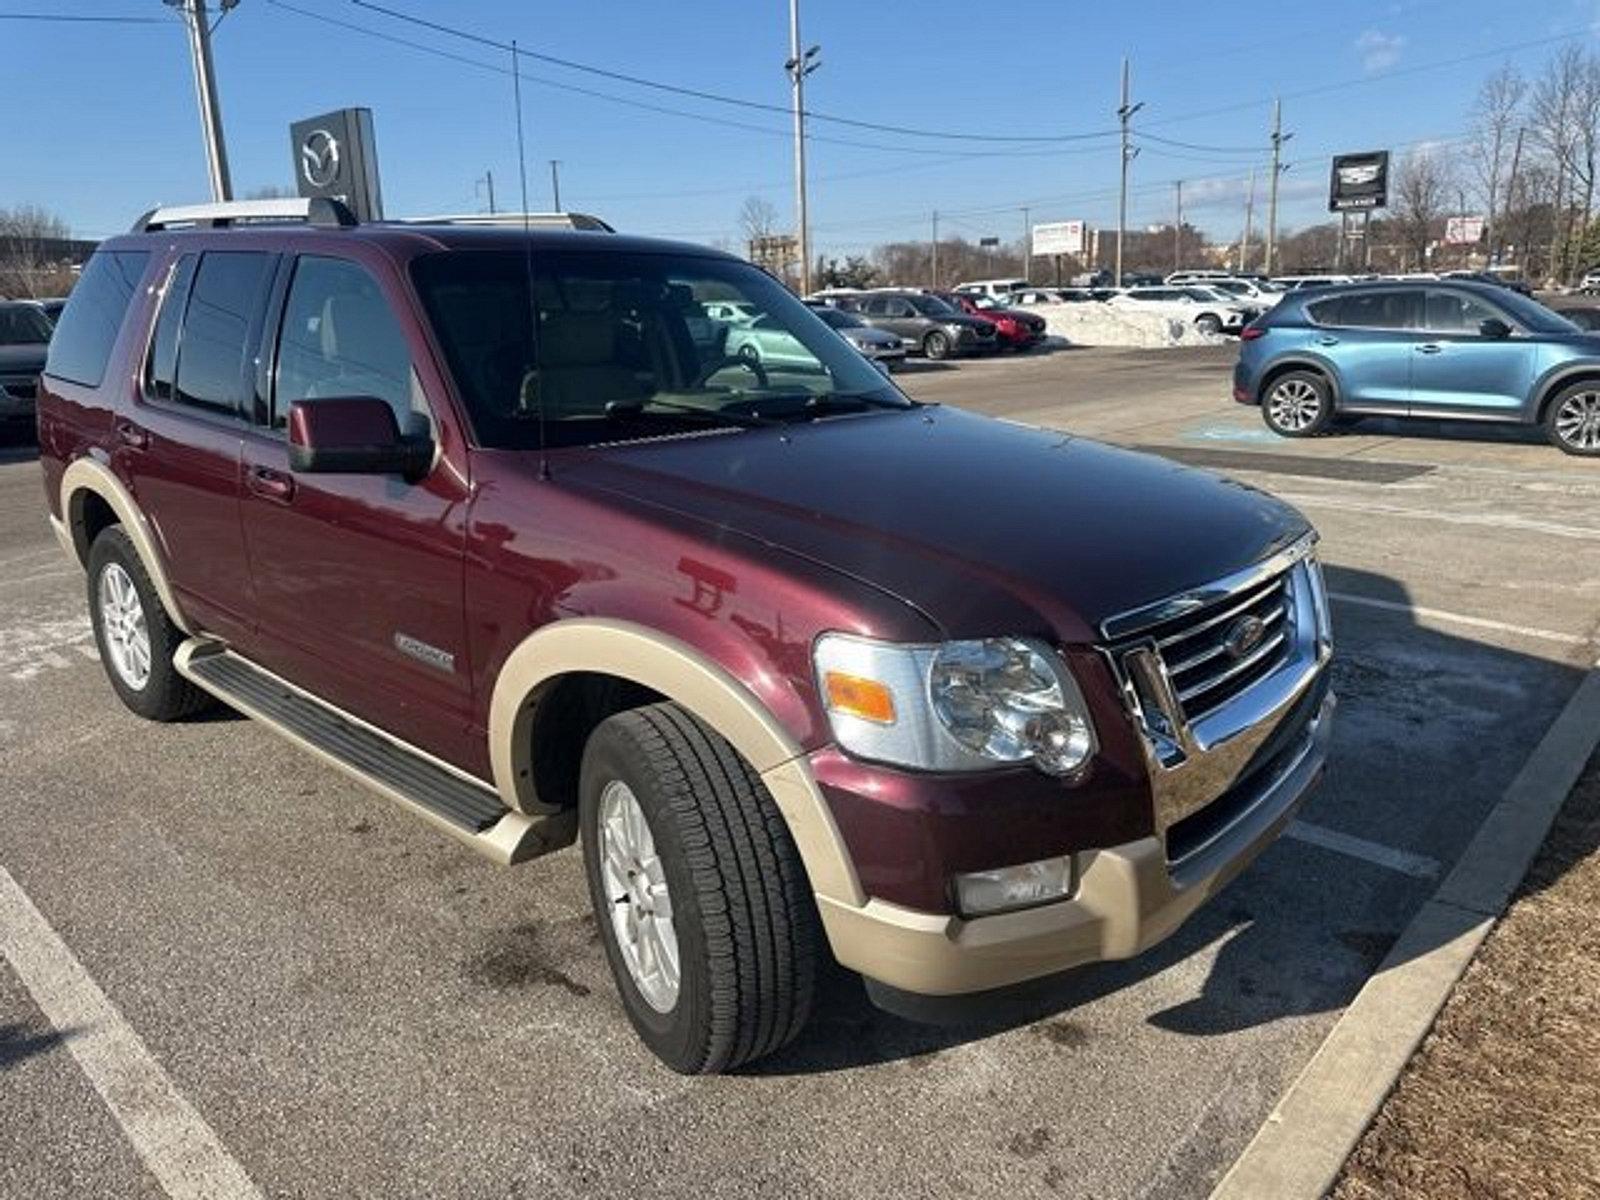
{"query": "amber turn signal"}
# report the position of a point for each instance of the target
(858, 697)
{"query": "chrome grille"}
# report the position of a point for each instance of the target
(1205, 656)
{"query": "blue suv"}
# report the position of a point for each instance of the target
(1443, 349)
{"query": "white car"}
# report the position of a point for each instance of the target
(990, 287)
(1207, 311)
(1590, 283)
(1248, 291)
(1030, 297)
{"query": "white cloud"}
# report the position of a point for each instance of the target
(1379, 50)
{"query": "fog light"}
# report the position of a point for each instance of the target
(1006, 888)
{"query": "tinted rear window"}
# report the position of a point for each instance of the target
(217, 340)
(1395, 309)
(88, 328)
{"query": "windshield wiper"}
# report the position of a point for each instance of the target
(747, 420)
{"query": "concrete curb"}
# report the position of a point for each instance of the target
(1298, 1152)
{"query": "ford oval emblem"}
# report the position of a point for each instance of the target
(1244, 636)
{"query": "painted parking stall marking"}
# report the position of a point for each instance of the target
(1403, 861)
(166, 1131)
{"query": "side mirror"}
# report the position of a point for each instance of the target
(1493, 327)
(353, 435)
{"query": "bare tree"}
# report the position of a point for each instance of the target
(33, 252)
(1496, 115)
(757, 219)
(1421, 195)
(1556, 125)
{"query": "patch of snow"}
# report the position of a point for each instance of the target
(1096, 324)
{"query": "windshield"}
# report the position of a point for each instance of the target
(23, 325)
(1533, 315)
(1232, 286)
(1203, 293)
(932, 306)
(839, 319)
(631, 345)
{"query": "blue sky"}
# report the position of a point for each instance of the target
(115, 128)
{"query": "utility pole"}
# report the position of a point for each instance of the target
(934, 282)
(1279, 137)
(799, 66)
(1249, 219)
(555, 181)
(1125, 113)
(1177, 233)
(488, 179)
(1027, 243)
(205, 88)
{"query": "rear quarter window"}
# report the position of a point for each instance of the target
(84, 337)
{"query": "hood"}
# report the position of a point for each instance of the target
(984, 526)
(867, 336)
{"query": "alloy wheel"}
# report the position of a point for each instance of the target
(1294, 405)
(641, 904)
(123, 628)
(1578, 421)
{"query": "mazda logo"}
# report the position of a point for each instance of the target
(1244, 636)
(319, 158)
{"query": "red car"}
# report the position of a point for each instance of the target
(1015, 329)
(493, 522)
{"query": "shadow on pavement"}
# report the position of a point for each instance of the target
(1430, 730)
(18, 1042)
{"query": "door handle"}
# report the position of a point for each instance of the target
(130, 434)
(1429, 348)
(1327, 341)
(270, 484)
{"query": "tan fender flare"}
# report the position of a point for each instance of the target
(679, 672)
(87, 474)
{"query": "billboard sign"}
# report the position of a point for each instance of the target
(335, 155)
(1463, 231)
(1359, 181)
(1058, 237)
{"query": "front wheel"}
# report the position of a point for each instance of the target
(1207, 323)
(1572, 421)
(1298, 404)
(701, 898)
(936, 345)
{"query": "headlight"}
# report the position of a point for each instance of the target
(959, 706)
(955, 330)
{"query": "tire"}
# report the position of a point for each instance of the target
(1208, 323)
(749, 353)
(1298, 404)
(936, 345)
(742, 920)
(1572, 420)
(127, 614)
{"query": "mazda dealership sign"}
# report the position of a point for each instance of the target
(335, 155)
(1359, 181)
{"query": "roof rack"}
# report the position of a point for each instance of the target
(550, 220)
(313, 210)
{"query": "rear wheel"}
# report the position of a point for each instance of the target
(1572, 420)
(1298, 404)
(701, 898)
(1208, 323)
(936, 345)
(134, 633)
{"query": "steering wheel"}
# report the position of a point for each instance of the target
(749, 364)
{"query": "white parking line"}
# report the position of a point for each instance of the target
(1482, 520)
(1402, 861)
(172, 1138)
(1439, 614)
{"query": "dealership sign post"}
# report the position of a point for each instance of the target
(1057, 238)
(335, 155)
(1358, 183)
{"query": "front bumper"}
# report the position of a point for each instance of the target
(1126, 899)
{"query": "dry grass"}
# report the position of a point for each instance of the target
(1503, 1099)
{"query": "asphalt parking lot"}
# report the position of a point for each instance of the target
(354, 1006)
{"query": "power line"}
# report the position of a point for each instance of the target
(720, 98)
(57, 18)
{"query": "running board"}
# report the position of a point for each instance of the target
(449, 798)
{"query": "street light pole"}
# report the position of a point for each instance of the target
(555, 181)
(934, 282)
(799, 66)
(1125, 116)
(205, 87)
(1177, 233)
(1027, 243)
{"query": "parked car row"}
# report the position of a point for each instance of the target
(25, 332)
(936, 325)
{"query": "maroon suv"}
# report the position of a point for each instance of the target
(490, 521)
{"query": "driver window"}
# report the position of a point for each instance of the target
(1457, 312)
(899, 308)
(339, 338)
